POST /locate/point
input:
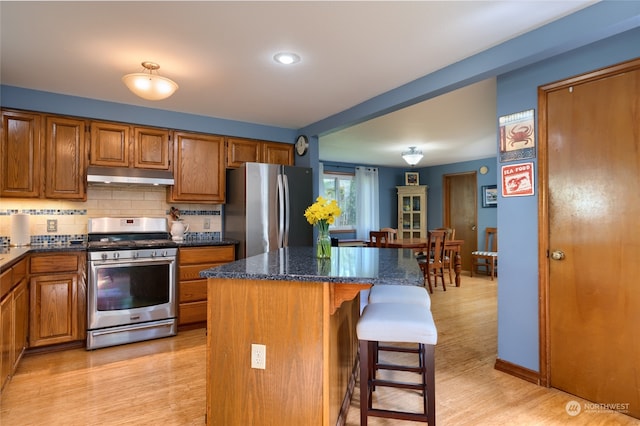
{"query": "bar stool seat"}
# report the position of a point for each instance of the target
(389, 293)
(397, 322)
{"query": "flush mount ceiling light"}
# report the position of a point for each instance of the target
(286, 58)
(148, 85)
(413, 156)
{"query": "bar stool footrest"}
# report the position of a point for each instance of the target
(402, 385)
(398, 349)
(399, 368)
(400, 415)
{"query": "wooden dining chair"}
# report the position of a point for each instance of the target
(487, 258)
(392, 233)
(450, 234)
(378, 239)
(432, 264)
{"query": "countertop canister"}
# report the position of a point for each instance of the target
(20, 230)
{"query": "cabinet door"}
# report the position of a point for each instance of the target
(20, 151)
(199, 168)
(21, 320)
(151, 148)
(241, 151)
(6, 338)
(109, 144)
(277, 153)
(54, 309)
(65, 159)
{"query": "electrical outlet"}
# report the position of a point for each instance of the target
(207, 223)
(258, 356)
(52, 225)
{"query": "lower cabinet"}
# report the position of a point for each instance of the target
(192, 290)
(58, 299)
(14, 319)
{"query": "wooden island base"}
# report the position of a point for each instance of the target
(309, 330)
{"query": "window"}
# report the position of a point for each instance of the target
(341, 187)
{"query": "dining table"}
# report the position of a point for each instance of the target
(454, 246)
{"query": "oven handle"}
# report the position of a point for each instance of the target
(133, 262)
(166, 323)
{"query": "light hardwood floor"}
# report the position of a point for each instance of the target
(163, 381)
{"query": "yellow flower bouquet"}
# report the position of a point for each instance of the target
(323, 213)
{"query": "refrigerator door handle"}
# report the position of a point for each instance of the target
(281, 207)
(287, 208)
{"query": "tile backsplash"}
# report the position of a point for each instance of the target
(104, 200)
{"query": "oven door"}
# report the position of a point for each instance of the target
(130, 291)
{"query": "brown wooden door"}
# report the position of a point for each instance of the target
(460, 201)
(593, 157)
(65, 158)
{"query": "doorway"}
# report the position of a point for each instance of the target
(460, 211)
(589, 236)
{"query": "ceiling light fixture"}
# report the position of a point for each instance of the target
(413, 156)
(286, 58)
(148, 85)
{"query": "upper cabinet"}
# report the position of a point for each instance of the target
(241, 151)
(65, 160)
(121, 145)
(199, 170)
(32, 168)
(20, 151)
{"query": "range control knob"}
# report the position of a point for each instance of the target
(135, 254)
(153, 253)
(104, 256)
(116, 255)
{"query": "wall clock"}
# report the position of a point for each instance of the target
(484, 170)
(302, 144)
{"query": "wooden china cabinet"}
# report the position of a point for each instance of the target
(412, 211)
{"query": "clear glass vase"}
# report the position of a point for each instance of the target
(323, 244)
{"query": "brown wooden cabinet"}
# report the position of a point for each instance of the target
(199, 170)
(13, 319)
(58, 298)
(121, 145)
(192, 290)
(241, 151)
(65, 158)
(20, 151)
(42, 156)
(277, 153)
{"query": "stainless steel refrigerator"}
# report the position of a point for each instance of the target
(265, 207)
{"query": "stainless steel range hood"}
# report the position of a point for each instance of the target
(97, 174)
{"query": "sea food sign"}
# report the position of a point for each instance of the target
(517, 180)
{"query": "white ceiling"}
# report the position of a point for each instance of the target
(220, 54)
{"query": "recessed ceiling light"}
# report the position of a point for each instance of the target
(286, 58)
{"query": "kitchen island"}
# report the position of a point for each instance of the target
(304, 311)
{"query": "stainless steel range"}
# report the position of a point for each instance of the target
(132, 281)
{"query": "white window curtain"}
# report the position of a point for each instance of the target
(367, 213)
(320, 179)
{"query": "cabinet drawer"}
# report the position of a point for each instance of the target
(192, 272)
(54, 263)
(191, 291)
(19, 271)
(192, 312)
(207, 255)
(6, 282)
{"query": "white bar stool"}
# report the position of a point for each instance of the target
(397, 322)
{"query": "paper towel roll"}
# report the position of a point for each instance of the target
(20, 230)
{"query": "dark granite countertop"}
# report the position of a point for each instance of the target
(9, 256)
(205, 243)
(347, 265)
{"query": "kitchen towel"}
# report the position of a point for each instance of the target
(20, 230)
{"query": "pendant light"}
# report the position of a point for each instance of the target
(148, 85)
(413, 156)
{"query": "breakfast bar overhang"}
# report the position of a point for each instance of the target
(304, 311)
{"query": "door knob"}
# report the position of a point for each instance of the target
(473, 227)
(557, 255)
